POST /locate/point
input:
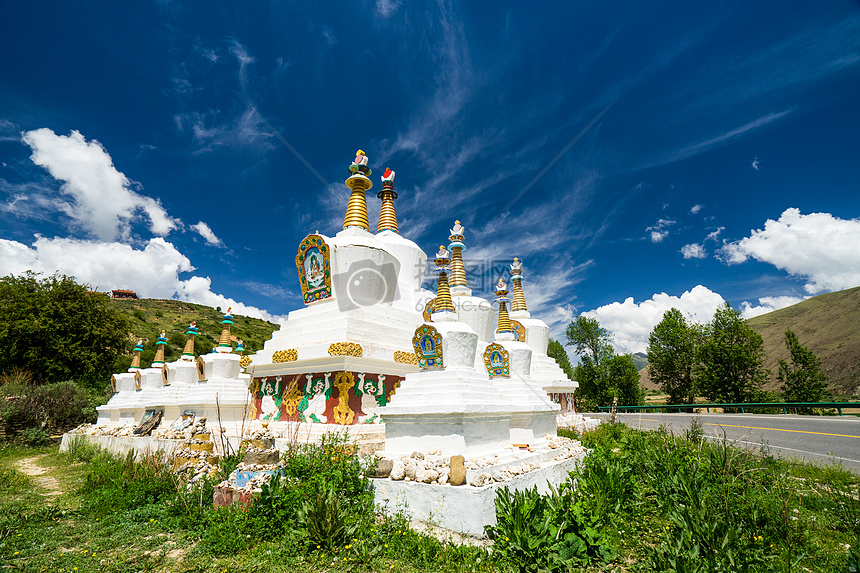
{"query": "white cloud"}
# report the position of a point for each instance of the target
(102, 201)
(695, 209)
(694, 251)
(658, 230)
(386, 8)
(712, 236)
(818, 247)
(153, 272)
(755, 164)
(206, 233)
(768, 304)
(631, 323)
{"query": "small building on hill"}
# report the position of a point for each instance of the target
(119, 293)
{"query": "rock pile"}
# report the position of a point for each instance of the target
(434, 468)
(196, 458)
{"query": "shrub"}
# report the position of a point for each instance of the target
(52, 407)
(545, 532)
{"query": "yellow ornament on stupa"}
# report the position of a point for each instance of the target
(504, 326)
(443, 293)
(387, 216)
(358, 182)
(519, 298)
(459, 284)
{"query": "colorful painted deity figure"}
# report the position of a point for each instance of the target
(317, 391)
(427, 344)
(312, 264)
(270, 405)
(428, 347)
(313, 268)
(496, 359)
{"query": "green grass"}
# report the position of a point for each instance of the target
(645, 501)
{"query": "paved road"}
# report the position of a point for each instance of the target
(817, 439)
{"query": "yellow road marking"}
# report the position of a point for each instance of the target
(781, 430)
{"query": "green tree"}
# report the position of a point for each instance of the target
(672, 347)
(556, 351)
(624, 380)
(731, 359)
(589, 340)
(57, 330)
(602, 375)
(803, 381)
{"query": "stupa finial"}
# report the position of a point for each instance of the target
(358, 182)
(504, 327)
(224, 345)
(191, 333)
(519, 298)
(135, 361)
(443, 293)
(158, 361)
(240, 347)
(387, 216)
(459, 283)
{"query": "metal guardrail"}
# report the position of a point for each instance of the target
(743, 406)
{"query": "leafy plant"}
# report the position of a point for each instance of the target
(545, 532)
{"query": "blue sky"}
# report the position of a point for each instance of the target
(723, 167)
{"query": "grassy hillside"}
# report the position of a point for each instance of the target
(149, 317)
(829, 325)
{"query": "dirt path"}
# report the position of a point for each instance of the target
(31, 467)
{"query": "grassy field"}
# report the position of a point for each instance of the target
(646, 501)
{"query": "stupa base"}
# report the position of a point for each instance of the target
(468, 509)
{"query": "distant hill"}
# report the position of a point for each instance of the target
(640, 359)
(149, 317)
(827, 324)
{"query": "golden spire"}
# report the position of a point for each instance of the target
(387, 217)
(504, 326)
(158, 361)
(135, 361)
(443, 293)
(224, 344)
(356, 208)
(519, 302)
(188, 351)
(458, 271)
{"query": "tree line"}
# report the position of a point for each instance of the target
(722, 361)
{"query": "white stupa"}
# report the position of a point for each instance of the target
(339, 361)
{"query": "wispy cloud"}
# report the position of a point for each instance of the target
(660, 230)
(205, 232)
(694, 251)
(711, 142)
